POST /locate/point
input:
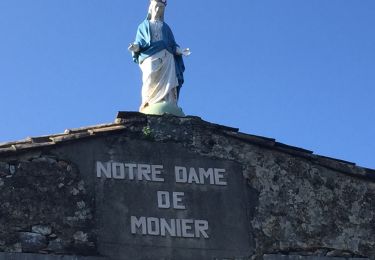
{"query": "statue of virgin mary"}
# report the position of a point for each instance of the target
(160, 59)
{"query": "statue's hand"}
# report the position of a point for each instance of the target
(185, 52)
(133, 47)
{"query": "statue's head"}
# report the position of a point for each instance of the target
(156, 9)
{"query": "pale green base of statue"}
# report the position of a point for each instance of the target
(163, 108)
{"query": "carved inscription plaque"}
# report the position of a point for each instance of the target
(160, 201)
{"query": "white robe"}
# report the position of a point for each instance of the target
(159, 75)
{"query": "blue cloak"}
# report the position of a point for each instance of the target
(147, 49)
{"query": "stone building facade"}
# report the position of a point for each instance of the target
(164, 187)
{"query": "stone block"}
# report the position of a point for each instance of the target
(32, 242)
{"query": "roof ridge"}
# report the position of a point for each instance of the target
(125, 119)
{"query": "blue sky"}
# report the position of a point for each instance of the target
(302, 72)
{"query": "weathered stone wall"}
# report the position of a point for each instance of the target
(45, 208)
(303, 206)
(299, 257)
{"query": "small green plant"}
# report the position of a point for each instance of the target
(147, 132)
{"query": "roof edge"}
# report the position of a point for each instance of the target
(125, 119)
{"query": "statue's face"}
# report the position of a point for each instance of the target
(157, 9)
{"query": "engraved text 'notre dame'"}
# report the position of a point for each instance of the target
(154, 226)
